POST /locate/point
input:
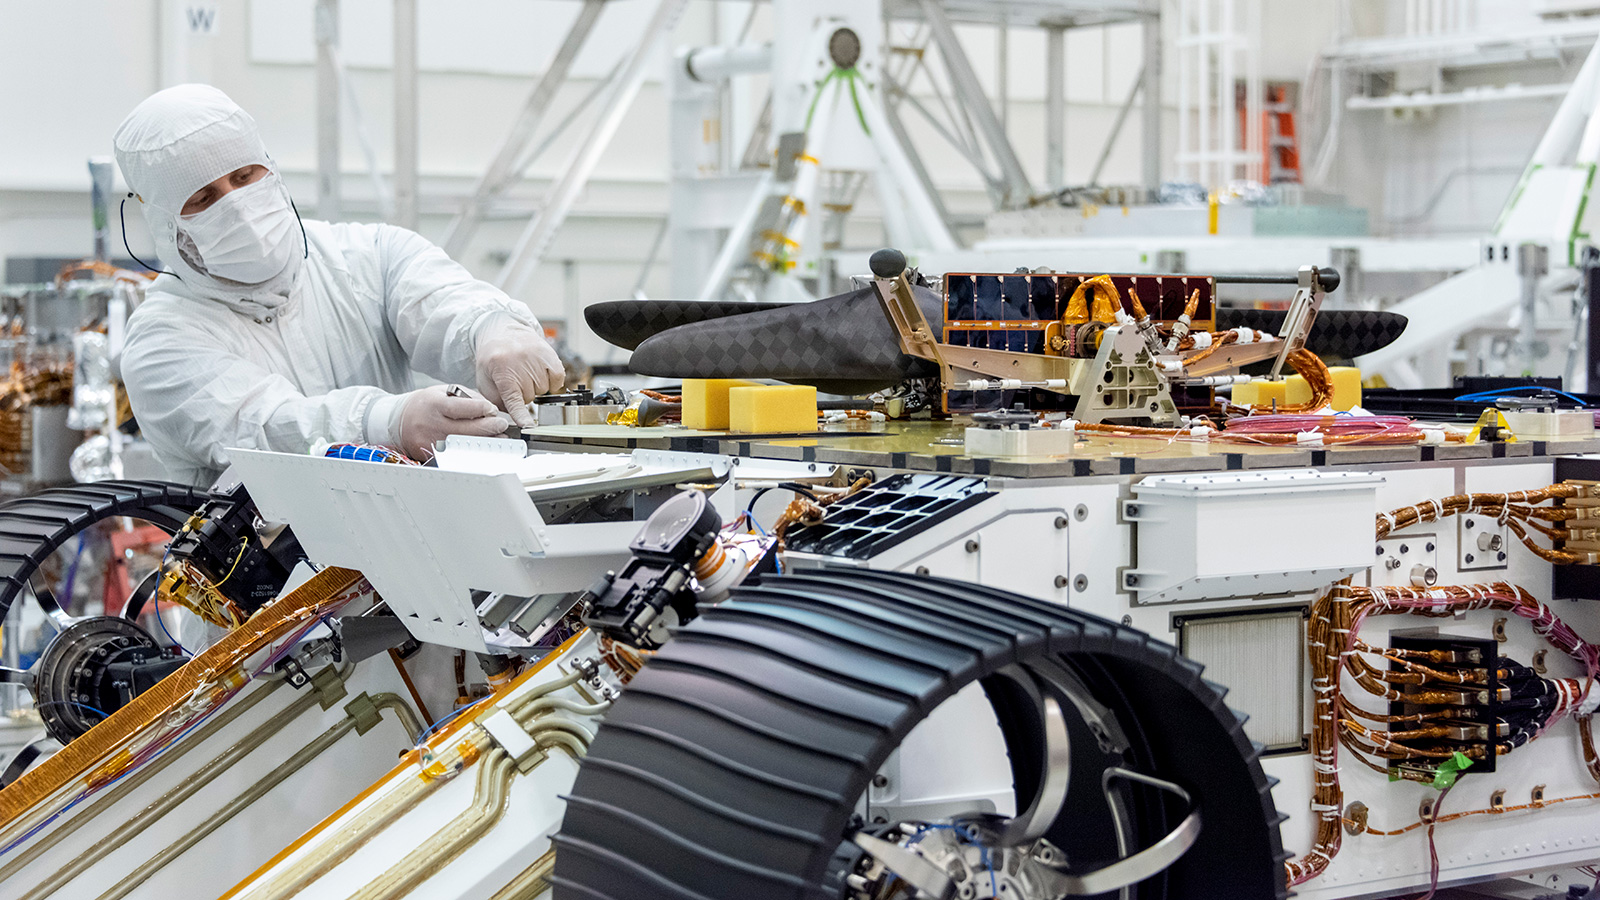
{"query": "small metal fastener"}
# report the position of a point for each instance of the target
(1081, 583)
(972, 545)
(1130, 510)
(1404, 549)
(1355, 817)
(1500, 629)
(1497, 800)
(1428, 546)
(879, 820)
(1468, 523)
(1061, 521)
(1538, 795)
(1380, 549)
(1131, 580)
(1469, 558)
(922, 570)
(1425, 810)
(1061, 581)
(1127, 620)
(880, 780)
(1080, 512)
(1538, 661)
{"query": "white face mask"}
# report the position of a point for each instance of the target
(248, 236)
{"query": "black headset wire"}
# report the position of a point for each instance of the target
(122, 216)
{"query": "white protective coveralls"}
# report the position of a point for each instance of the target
(324, 351)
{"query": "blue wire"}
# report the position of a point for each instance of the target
(446, 719)
(1525, 389)
(155, 607)
(72, 573)
(100, 712)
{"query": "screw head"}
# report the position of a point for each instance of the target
(1081, 583)
(1469, 557)
(1404, 549)
(1130, 580)
(972, 545)
(1428, 546)
(1061, 521)
(880, 780)
(922, 570)
(1380, 549)
(1502, 556)
(1061, 581)
(1127, 620)
(1080, 512)
(1468, 523)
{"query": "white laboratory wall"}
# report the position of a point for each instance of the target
(73, 70)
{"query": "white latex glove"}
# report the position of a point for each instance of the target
(515, 364)
(422, 417)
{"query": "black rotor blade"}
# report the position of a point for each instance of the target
(1337, 333)
(628, 323)
(841, 344)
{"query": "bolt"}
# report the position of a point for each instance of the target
(1130, 580)
(1469, 558)
(1502, 556)
(1380, 549)
(1061, 521)
(879, 820)
(1081, 583)
(972, 545)
(1061, 581)
(880, 780)
(922, 570)
(1469, 523)
(1131, 510)
(1080, 512)
(1127, 620)
(1428, 546)
(1404, 549)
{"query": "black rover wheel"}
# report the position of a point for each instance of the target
(733, 765)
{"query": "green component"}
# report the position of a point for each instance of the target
(849, 76)
(1445, 776)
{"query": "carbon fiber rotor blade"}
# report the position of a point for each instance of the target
(627, 323)
(1337, 333)
(842, 344)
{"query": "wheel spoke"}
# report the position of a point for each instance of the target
(25, 757)
(141, 593)
(9, 675)
(47, 602)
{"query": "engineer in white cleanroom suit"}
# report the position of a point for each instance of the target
(271, 333)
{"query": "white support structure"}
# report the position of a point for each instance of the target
(509, 160)
(1218, 55)
(406, 112)
(327, 81)
(541, 229)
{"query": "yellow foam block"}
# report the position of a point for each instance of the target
(1346, 388)
(705, 402)
(1259, 393)
(772, 408)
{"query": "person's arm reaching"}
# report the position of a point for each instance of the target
(194, 399)
(456, 328)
